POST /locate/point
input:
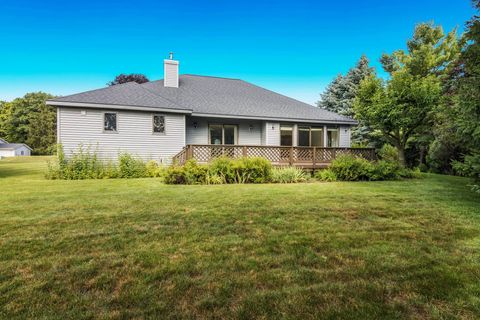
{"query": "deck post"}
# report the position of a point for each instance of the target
(334, 153)
(314, 155)
(244, 151)
(291, 156)
(189, 152)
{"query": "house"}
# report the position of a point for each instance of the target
(13, 149)
(194, 116)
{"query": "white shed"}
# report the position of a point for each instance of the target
(14, 150)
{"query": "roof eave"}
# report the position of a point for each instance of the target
(346, 122)
(115, 106)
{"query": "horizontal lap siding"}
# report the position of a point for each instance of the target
(345, 133)
(134, 134)
(272, 134)
(199, 135)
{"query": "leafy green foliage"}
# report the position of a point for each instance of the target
(326, 175)
(132, 77)
(221, 170)
(85, 164)
(190, 173)
(131, 167)
(29, 120)
(288, 175)
(349, 168)
(398, 107)
(340, 95)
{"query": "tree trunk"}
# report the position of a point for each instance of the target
(421, 159)
(401, 155)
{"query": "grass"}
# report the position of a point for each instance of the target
(113, 249)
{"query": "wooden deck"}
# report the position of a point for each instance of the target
(303, 157)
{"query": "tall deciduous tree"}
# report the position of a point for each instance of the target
(124, 78)
(29, 120)
(468, 98)
(397, 107)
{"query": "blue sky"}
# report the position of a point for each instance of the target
(293, 47)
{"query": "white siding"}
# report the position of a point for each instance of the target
(199, 134)
(15, 153)
(272, 134)
(345, 133)
(7, 153)
(22, 151)
(85, 127)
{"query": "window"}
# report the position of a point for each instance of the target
(304, 136)
(333, 136)
(317, 137)
(286, 136)
(110, 122)
(310, 136)
(222, 134)
(158, 124)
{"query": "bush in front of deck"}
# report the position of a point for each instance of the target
(289, 175)
(221, 170)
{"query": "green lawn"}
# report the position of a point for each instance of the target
(137, 248)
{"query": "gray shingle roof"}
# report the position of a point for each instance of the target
(208, 95)
(126, 94)
(12, 146)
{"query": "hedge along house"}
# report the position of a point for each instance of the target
(202, 117)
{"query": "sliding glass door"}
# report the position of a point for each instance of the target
(222, 134)
(310, 136)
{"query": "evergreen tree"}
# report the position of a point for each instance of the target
(340, 95)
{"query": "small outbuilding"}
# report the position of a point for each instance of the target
(14, 150)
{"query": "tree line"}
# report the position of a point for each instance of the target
(428, 108)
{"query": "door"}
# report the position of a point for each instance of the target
(223, 134)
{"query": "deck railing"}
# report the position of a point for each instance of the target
(305, 157)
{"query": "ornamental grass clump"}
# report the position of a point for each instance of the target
(289, 175)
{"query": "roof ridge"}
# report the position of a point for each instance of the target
(203, 76)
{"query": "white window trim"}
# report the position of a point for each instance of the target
(164, 124)
(116, 124)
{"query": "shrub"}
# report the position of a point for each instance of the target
(288, 175)
(154, 170)
(410, 173)
(84, 164)
(222, 168)
(131, 167)
(252, 170)
(388, 153)
(325, 175)
(190, 173)
(243, 170)
(385, 170)
(349, 168)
